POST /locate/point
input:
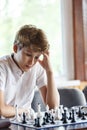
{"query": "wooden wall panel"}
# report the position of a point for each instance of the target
(85, 34)
(78, 39)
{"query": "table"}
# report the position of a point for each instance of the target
(80, 123)
(70, 127)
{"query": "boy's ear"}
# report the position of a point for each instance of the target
(15, 47)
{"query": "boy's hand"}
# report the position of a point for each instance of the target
(45, 62)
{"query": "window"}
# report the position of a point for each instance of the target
(45, 14)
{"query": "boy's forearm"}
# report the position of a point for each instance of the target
(52, 97)
(10, 111)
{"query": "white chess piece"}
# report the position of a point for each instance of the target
(58, 114)
(16, 113)
(61, 109)
(39, 110)
(39, 113)
(47, 108)
(32, 114)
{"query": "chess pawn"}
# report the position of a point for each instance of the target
(47, 108)
(61, 109)
(52, 121)
(24, 118)
(83, 116)
(73, 116)
(67, 111)
(64, 118)
(16, 114)
(79, 112)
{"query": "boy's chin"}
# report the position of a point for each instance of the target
(26, 70)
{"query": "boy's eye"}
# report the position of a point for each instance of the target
(28, 54)
(37, 57)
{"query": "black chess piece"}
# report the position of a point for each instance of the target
(83, 116)
(24, 118)
(73, 116)
(65, 120)
(62, 117)
(38, 122)
(44, 121)
(35, 124)
(70, 116)
(52, 121)
(79, 112)
(47, 117)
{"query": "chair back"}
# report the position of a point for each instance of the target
(85, 92)
(37, 99)
(69, 97)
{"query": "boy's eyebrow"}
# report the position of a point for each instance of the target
(32, 52)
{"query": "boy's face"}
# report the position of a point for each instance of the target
(26, 58)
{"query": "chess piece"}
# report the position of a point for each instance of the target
(38, 122)
(47, 108)
(31, 114)
(16, 112)
(44, 121)
(65, 120)
(39, 107)
(35, 124)
(73, 116)
(79, 112)
(39, 114)
(57, 112)
(70, 116)
(24, 118)
(52, 122)
(47, 117)
(61, 109)
(83, 116)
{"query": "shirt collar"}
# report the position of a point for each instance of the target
(15, 67)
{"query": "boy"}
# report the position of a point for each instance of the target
(23, 70)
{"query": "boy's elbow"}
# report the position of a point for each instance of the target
(3, 112)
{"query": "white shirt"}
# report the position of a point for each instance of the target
(19, 87)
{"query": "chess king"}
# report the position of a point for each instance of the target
(23, 70)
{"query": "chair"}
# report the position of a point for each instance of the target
(85, 92)
(37, 99)
(69, 97)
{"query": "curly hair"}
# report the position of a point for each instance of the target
(33, 37)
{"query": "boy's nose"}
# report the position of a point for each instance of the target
(32, 61)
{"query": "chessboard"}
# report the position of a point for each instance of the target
(61, 116)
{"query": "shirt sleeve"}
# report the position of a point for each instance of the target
(41, 77)
(2, 77)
